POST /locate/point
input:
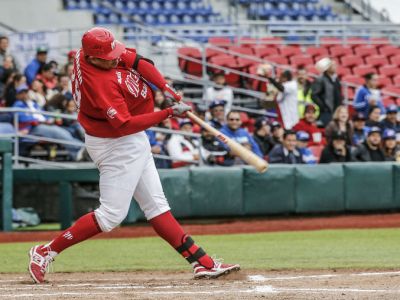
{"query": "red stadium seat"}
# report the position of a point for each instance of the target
(277, 59)
(395, 60)
(210, 52)
(241, 50)
(389, 70)
(355, 41)
(365, 50)
(287, 51)
(187, 66)
(348, 92)
(342, 71)
(245, 63)
(396, 80)
(274, 40)
(301, 60)
(351, 61)
(228, 62)
(392, 90)
(220, 41)
(379, 41)
(317, 51)
(357, 80)
(376, 60)
(312, 69)
(328, 42)
(339, 51)
(263, 51)
(389, 50)
(384, 82)
(245, 41)
(362, 70)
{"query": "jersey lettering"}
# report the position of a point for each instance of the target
(132, 83)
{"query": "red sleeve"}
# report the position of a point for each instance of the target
(151, 74)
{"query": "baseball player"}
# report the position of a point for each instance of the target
(111, 88)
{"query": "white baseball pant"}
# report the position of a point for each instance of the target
(127, 169)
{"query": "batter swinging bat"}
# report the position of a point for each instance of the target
(245, 154)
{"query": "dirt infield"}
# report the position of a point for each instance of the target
(234, 226)
(246, 284)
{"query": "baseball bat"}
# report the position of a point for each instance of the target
(249, 157)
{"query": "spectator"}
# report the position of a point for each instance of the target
(68, 69)
(212, 152)
(36, 124)
(10, 89)
(359, 132)
(262, 135)
(183, 149)
(309, 125)
(390, 148)
(33, 68)
(304, 92)
(374, 117)
(6, 71)
(302, 143)
(287, 99)
(263, 70)
(159, 99)
(287, 153)
(38, 93)
(47, 76)
(4, 52)
(277, 133)
(71, 56)
(217, 111)
(233, 130)
(391, 121)
(370, 150)
(73, 126)
(220, 91)
(368, 95)
(340, 123)
(327, 90)
(158, 148)
(337, 151)
(64, 85)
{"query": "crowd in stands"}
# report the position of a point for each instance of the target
(312, 124)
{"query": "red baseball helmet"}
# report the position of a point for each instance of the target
(100, 42)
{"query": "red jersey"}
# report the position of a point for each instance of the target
(112, 103)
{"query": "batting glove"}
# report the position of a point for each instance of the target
(169, 92)
(180, 108)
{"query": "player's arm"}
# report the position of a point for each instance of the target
(146, 68)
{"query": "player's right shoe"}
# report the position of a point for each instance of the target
(39, 263)
(217, 270)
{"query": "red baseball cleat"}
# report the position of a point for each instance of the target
(39, 263)
(219, 269)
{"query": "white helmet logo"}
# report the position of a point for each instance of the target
(111, 112)
(113, 45)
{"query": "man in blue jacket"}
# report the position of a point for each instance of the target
(368, 95)
(36, 123)
(233, 130)
(33, 68)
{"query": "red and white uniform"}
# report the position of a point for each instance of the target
(115, 106)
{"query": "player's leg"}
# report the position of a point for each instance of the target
(120, 162)
(150, 196)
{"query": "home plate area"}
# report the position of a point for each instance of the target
(246, 284)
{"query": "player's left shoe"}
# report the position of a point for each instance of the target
(219, 269)
(39, 262)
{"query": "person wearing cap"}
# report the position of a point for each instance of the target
(340, 122)
(217, 112)
(212, 152)
(33, 68)
(287, 100)
(219, 92)
(368, 95)
(116, 104)
(304, 92)
(389, 146)
(262, 135)
(327, 89)
(302, 143)
(287, 153)
(308, 124)
(37, 124)
(359, 129)
(337, 151)
(277, 133)
(370, 150)
(391, 121)
(233, 130)
(183, 149)
(374, 117)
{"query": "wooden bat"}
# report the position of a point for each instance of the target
(245, 154)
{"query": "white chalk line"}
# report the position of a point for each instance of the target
(320, 276)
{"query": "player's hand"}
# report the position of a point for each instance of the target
(180, 108)
(169, 92)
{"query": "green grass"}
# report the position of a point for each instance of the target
(41, 227)
(363, 249)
